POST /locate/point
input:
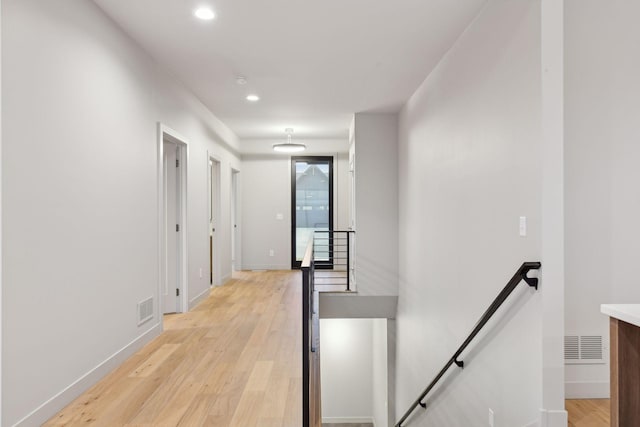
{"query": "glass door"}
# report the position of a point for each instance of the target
(312, 207)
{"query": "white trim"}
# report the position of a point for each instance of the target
(234, 219)
(1, 241)
(49, 408)
(183, 144)
(552, 249)
(553, 418)
(184, 223)
(347, 420)
(587, 389)
(199, 298)
(225, 279)
(267, 267)
(217, 214)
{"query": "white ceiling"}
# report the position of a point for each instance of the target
(313, 63)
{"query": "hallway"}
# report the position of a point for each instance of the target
(234, 360)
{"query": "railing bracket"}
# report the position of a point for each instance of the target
(519, 276)
(531, 281)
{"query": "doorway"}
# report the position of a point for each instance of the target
(173, 224)
(235, 230)
(311, 207)
(214, 218)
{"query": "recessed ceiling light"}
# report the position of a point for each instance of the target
(253, 98)
(204, 13)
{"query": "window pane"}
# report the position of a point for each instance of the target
(312, 205)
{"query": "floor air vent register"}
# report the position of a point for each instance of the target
(145, 311)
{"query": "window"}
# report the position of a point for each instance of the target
(311, 204)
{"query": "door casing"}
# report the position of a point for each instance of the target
(295, 264)
(166, 134)
(235, 229)
(214, 213)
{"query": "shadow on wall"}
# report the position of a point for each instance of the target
(520, 297)
(373, 279)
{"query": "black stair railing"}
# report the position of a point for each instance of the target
(519, 276)
(311, 414)
(333, 257)
(332, 252)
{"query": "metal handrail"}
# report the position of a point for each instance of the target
(310, 340)
(307, 328)
(519, 276)
(338, 247)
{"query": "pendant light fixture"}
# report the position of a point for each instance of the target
(289, 147)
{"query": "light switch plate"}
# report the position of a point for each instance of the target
(523, 226)
(279, 217)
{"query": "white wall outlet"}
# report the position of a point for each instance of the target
(279, 217)
(523, 226)
(491, 417)
(272, 252)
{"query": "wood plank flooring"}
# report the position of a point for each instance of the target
(588, 412)
(235, 360)
(347, 425)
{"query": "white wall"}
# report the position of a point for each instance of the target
(552, 412)
(354, 357)
(80, 104)
(470, 166)
(602, 96)
(379, 376)
(1, 274)
(346, 364)
(375, 138)
(267, 192)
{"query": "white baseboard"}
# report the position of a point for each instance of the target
(202, 295)
(535, 423)
(52, 406)
(587, 390)
(553, 418)
(347, 420)
(225, 279)
(266, 267)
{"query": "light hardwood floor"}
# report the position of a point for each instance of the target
(588, 412)
(235, 360)
(347, 425)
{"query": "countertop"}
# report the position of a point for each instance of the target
(629, 313)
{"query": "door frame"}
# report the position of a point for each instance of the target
(167, 134)
(295, 264)
(236, 262)
(215, 198)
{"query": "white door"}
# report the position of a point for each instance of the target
(234, 221)
(172, 227)
(352, 193)
(214, 185)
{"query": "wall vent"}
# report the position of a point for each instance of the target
(583, 350)
(145, 311)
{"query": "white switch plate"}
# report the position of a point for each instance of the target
(523, 226)
(491, 417)
(201, 272)
(279, 217)
(272, 252)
